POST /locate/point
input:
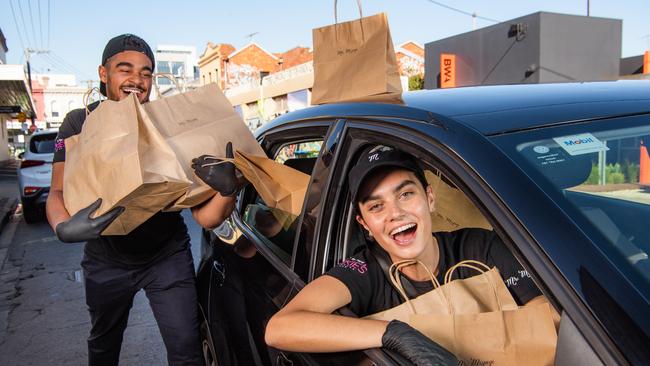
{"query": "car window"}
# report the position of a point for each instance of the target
(277, 228)
(602, 175)
(42, 144)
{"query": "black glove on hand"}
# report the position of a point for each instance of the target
(80, 227)
(221, 177)
(415, 346)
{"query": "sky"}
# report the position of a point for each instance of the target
(76, 31)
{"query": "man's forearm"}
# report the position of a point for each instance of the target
(214, 211)
(305, 331)
(55, 209)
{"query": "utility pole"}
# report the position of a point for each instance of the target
(28, 52)
(587, 7)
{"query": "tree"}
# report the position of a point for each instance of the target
(416, 82)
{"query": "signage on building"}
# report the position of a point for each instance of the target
(9, 109)
(646, 62)
(447, 70)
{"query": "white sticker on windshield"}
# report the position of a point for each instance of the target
(583, 143)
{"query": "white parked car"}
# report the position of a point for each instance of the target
(35, 174)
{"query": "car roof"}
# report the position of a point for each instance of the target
(46, 131)
(500, 108)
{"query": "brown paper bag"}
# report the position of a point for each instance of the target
(505, 334)
(453, 210)
(200, 122)
(525, 336)
(355, 61)
(120, 157)
(281, 187)
(482, 293)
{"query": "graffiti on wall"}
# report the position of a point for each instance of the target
(242, 75)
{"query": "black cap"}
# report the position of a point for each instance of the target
(125, 42)
(375, 157)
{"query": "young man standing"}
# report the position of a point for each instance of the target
(155, 256)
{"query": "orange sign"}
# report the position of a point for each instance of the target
(646, 62)
(447, 70)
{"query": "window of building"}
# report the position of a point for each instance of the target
(55, 108)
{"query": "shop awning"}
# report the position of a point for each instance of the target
(15, 95)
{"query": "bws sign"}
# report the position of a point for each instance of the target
(447, 70)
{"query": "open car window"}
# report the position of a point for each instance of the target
(276, 228)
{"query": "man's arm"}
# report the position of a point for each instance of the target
(214, 211)
(307, 324)
(55, 208)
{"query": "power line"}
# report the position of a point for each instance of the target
(31, 20)
(49, 26)
(473, 15)
(77, 70)
(40, 22)
(22, 17)
(11, 3)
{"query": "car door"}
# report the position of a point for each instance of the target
(256, 264)
(447, 147)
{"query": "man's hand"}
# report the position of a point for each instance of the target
(414, 346)
(219, 175)
(80, 227)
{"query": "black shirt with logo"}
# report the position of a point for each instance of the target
(162, 234)
(372, 292)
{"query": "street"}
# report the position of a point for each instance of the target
(43, 315)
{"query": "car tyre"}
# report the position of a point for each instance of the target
(207, 345)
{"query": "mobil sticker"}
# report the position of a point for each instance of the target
(583, 143)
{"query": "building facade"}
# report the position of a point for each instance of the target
(537, 48)
(177, 62)
(212, 64)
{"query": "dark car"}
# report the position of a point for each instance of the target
(559, 171)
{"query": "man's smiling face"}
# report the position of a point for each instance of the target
(395, 208)
(128, 72)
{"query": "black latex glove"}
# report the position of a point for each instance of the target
(415, 346)
(80, 227)
(220, 177)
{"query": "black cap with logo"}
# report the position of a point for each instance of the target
(121, 43)
(375, 157)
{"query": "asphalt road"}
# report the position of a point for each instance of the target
(43, 315)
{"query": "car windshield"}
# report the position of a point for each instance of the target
(42, 144)
(602, 172)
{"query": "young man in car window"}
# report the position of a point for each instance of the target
(156, 255)
(394, 203)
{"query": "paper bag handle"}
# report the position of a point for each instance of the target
(336, 19)
(477, 266)
(165, 75)
(85, 99)
(393, 274)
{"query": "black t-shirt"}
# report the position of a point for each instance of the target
(163, 234)
(372, 292)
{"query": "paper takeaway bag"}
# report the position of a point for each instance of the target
(503, 336)
(482, 293)
(120, 157)
(281, 187)
(453, 210)
(200, 122)
(355, 61)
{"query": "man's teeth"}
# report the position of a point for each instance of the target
(132, 90)
(402, 228)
